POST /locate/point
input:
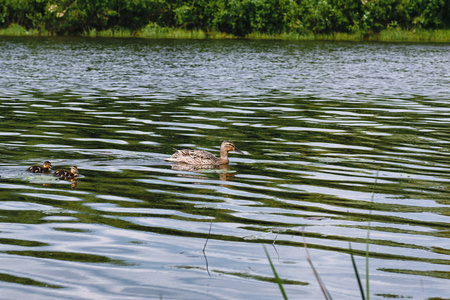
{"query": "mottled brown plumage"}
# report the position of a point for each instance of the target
(47, 167)
(64, 174)
(202, 157)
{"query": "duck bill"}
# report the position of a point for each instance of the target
(238, 151)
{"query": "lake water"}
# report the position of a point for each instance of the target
(341, 141)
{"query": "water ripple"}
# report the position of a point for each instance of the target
(339, 140)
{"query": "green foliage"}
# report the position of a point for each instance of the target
(237, 17)
(241, 17)
(406, 14)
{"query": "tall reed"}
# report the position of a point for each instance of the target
(277, 278)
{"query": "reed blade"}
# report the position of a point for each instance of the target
(355, 268)
(277, 278)
(324, 289)
(368, 236)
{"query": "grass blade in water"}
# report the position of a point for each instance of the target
(277, 278)
(324, 289)
(356, 273)
(368, 237)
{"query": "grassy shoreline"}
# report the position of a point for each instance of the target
(156, 32)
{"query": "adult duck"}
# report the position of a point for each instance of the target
(45, 168)
(64, 174)
(202, 157)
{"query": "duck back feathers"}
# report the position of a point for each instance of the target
(64, 174)
(45, 168)
(202, 157)
(194, 157)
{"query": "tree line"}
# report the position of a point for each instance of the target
(237, 17)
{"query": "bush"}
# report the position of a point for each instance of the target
(237, 17)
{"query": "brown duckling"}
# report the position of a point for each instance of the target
(45, 168)
(64, 174)
(202, 157)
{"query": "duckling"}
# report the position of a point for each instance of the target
(47, 167)
(63, 174)
(202, 157)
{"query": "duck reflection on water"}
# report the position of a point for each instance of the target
(221, 169)
(74, 183)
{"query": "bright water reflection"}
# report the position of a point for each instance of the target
(322, 125)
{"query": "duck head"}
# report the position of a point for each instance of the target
(74, 170)
(229, 146)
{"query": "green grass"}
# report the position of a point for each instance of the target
(17, 30)
(389, 35)
(398, 35)
(340, 36)
(152, 30)
(111, 33)
(281, 36)
(172, 33)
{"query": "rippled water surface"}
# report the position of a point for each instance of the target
(341, 141)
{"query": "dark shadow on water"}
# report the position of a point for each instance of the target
(26, 281)
(75, 257)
